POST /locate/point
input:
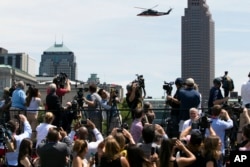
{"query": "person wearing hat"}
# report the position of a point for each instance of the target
(215, 95)
(18, 100)
(245, 93)
(174, 102)
(189, 98)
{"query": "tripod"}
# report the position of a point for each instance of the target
(113, 117)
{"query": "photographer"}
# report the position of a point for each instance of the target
(220, 126)
(16, 139)
(62, 84)
(113, 114)
(134, 95)
(174, 102)
(189, 98)
(95, 106)
(83, 134)
(53, 104)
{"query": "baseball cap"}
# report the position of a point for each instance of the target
(189, 81)
(178, 81)
(195, 137)
(217, 80)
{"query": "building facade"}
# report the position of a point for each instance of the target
(21, 61)
(58, 59)
(198, 46)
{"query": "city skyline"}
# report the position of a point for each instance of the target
(110, 40)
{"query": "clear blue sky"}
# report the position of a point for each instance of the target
(109, 39)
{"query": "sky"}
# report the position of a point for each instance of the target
(108, 38)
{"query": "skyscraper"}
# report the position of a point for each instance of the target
(21, 61)
(56, 59)
(198, 52)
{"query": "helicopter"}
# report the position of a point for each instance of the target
(151, 12)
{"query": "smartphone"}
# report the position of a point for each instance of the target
(84, 122)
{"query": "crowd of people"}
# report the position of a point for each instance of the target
(192, 139)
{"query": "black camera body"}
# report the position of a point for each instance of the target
(202, 123)
(114, 93)
(61, 79)
(139, 81)
(79, 97)
(5, 132)
(168, 87)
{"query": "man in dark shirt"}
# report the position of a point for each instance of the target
(53, 153)
(215, 95)
(189, 98)
(174, 102)
(53, 105)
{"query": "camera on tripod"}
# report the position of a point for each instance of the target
(168, 87)
(61, 79)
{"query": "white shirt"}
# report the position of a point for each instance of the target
(245, 93)
(42, 131)
(186, 124)
(12, 156)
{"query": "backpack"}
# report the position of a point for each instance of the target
(227, 83)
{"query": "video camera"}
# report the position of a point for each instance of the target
(79, 96)
(5, 132)
(114, 93)
(141, 86)
(61, 79)
(202, 123)
(168, 87)
(139, 81)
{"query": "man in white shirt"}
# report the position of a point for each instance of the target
(194, 116)
(245, 93)
(83, 133)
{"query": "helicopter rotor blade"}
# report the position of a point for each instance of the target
(140, 8)
(154, 6)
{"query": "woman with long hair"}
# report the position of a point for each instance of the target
(25, 152)
(80, 149)
(33, 102)
(137, 158)
(212, 151)
(111, 156)
(167, 150)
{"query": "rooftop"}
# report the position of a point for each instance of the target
(58, 48)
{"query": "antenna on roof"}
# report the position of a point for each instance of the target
(55, 39)
(62, 39)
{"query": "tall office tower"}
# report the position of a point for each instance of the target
(21, 61)
(56, 59)
(198, 52)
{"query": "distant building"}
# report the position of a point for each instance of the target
(198, 50)
(9, 75)
(56, 59)
(21, 61)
